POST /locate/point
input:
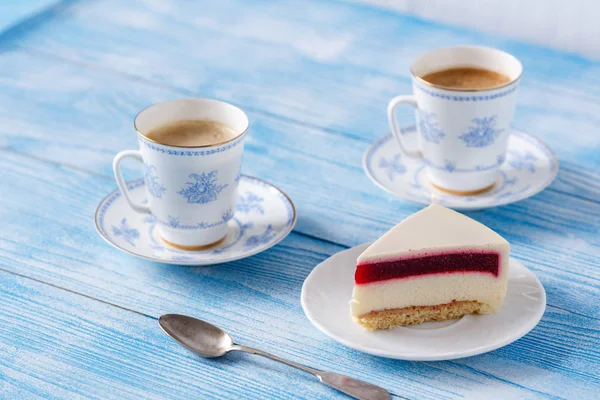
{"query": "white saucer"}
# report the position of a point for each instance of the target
(328, 290)
(529, 168)
(264, 216)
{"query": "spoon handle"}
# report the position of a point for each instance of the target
(352, 387)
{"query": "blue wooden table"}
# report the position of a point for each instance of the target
(79, 318)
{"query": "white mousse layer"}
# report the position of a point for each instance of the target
(430, 290)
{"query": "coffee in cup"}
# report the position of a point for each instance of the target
(192, 133)
(466, 78)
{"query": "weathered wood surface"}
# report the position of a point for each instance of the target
(315, 84)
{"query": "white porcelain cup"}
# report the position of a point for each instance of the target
(191, 191)
(462, 134)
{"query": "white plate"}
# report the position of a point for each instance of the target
(328, 290)
(529, 168)
(264, 216)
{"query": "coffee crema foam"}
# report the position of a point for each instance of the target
(466, 78)
(192, 133)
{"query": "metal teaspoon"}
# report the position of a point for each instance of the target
(211, 342)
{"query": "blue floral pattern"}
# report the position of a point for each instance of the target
(151, 180)
(250, 202)
(262, 239)
(393, 167)
(173, 222)
(188, 153)
(428, 127)
(453, 97)
(522, 161)
(182, 258)
(483, 133)
(130, 235)
(449, 166)
(243, 228)
(227, 215)
(203, 189)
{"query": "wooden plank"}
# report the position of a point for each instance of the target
(15, 14)
(257, 298)
(57, 344)
(334, 66)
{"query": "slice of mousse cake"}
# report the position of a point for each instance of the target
(435, 265)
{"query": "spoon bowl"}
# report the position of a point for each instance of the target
(196, 335)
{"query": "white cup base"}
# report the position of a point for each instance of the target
(462, 183)
(192, 240)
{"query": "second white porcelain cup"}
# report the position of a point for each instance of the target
(462, 134)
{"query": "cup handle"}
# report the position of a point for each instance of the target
(141, 208)
(395, 102)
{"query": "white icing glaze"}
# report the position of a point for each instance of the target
(432, 230)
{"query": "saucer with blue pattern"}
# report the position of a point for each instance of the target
(530, 166)
(264, 216)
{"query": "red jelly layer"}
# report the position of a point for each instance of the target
(430, 264)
